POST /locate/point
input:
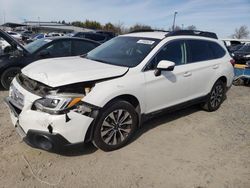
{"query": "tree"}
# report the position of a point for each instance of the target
(139, 27)
(109, 27)
(63, 22)
(241, 32)
(191, 27)
(77, 24)
(92, 24)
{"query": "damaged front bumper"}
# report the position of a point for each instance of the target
(47, 131)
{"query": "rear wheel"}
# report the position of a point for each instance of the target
(216, 97)
(116, 126)
(8, 75)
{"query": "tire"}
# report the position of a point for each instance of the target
(8, 75)
(238, 82)
(115, 126)
(216, 97)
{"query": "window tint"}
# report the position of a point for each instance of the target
(217, 50)
(199, 50)
(82, 47)
(174, 51)
(59, 49)
(95, 37)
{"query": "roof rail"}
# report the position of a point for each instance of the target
(148, 30)
(192, 33)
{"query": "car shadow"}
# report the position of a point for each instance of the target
(77, 150)
(164, 118)
(153, 122)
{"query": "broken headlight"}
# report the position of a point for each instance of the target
(56, 104)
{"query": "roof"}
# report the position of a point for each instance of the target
(13, 25)
(156, 35)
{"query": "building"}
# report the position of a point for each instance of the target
(46, 27)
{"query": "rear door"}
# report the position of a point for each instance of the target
(203, 63)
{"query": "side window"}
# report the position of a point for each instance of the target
(59, 49)
(217, 50)
(174, 51)
(199, 50)
(82, 47)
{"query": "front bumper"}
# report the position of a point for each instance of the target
(55, 130)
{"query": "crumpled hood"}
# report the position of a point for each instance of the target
(63, 71)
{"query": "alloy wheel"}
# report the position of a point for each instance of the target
(116, 127)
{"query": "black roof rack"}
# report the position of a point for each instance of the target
(193, 33)
(147, 30)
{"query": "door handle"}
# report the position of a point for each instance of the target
(186, 74)
(215, 66)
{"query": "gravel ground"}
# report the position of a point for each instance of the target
(190, 148)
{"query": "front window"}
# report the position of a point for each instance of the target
(123, 51)
(34, 46)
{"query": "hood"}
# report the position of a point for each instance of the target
(63, 71)
(13, 42)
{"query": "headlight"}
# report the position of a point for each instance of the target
(247, 56)
(56, 104)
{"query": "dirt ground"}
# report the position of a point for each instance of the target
(190, 148)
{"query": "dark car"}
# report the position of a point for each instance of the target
(99, 37)
(242, 55)
(234, 48)
(16, 56)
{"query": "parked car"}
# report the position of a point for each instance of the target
(99, 37)
(234, 48)
(55, 34)
(26, 35)
(104, 96)
(36, 37)
(15, 35)
(3, 45)
(19, 56)
(242, 55)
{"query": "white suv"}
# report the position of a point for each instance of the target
(103, 96)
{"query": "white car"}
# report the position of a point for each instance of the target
(104, 96)
(15, 35)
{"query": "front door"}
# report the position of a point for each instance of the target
(171, 87)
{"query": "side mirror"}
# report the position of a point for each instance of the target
(44, 53)
(164, 65)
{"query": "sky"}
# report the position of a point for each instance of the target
(220, 16)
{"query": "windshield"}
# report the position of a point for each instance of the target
(33, 46)
(123, 51)
(245, 48)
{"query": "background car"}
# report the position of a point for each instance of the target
(18, 56)
(36, 37)
(3, 45)
(99, 37)
(242, 55)
(16, 35)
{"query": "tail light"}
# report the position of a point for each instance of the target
(232, 61)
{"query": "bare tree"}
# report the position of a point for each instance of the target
(139, 27)
(241, 32)
(191, 27)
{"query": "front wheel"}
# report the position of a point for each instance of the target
(115, 126)
(8, 75)
(216, 97)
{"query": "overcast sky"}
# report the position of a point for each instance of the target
(220, 16)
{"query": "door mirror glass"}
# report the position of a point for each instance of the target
(164, 65)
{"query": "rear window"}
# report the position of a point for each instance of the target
(202, 50)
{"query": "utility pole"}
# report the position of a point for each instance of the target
(174, 21)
